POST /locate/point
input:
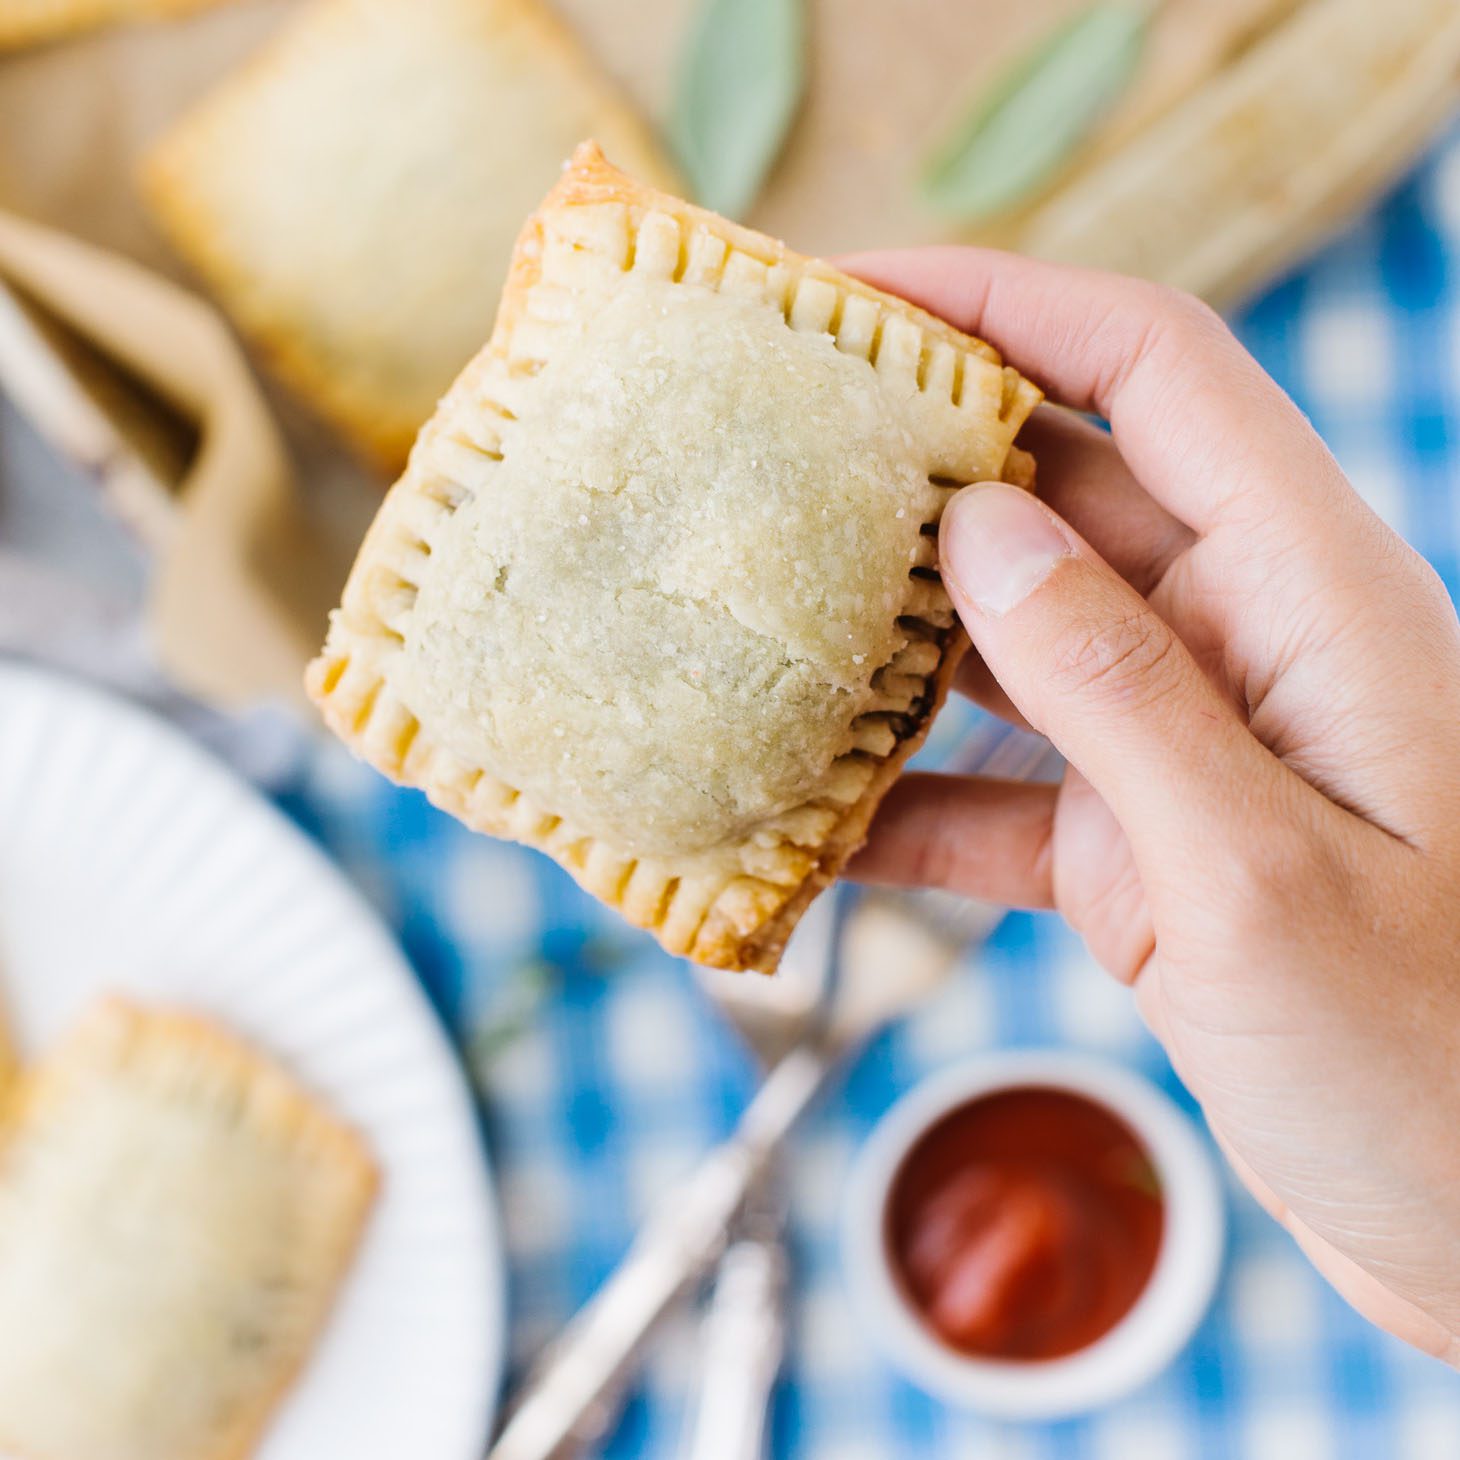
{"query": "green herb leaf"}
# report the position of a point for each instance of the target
(739, 84)
(510, 1015)
(1038, 112)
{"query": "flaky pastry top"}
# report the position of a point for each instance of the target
(667, 611)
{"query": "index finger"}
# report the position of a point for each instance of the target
(1200, 423)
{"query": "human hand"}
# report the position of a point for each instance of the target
(1257, 686)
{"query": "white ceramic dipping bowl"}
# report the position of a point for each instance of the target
(1141, 1344)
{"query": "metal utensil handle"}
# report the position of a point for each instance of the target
(744, 1334)
(562, 1403)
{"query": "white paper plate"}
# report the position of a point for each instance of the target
(129, 860)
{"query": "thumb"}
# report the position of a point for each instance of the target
(1093, 666)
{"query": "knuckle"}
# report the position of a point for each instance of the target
(1176, 324)
(1122, 659)
(1187, 325)
(934, 861)
(1111, 915)
(1179, 316)
(1428, 583)
(1188, 312)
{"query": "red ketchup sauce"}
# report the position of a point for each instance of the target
(1025, 1224)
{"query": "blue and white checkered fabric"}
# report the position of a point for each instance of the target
(622, 1076)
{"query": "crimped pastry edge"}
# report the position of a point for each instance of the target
(746, 922)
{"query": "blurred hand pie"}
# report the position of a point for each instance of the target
(353, 194)
(175, 1216)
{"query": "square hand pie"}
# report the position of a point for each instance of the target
(353, 195)
(175, 1215)
(657, 593)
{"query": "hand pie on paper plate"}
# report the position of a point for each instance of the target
(353, 194)
(175, 1216)
(657, 593)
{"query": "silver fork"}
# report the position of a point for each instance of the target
(890, 951)
(742, 1334)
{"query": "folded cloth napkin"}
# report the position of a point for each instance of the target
(142, 389)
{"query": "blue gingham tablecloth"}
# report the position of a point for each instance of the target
(620, 1076)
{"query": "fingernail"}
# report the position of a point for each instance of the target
(997, 545)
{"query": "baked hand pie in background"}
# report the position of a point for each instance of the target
(352, 194)
(657, 593)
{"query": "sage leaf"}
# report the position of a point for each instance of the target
(739, 83)
(1028, 122)
(509, 1016)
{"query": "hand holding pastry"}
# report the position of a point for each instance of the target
(1257, 685)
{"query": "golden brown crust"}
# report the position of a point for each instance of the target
(763, 951)
(177, 1050)
(734, 906)
(29, 22)
(202, 183)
